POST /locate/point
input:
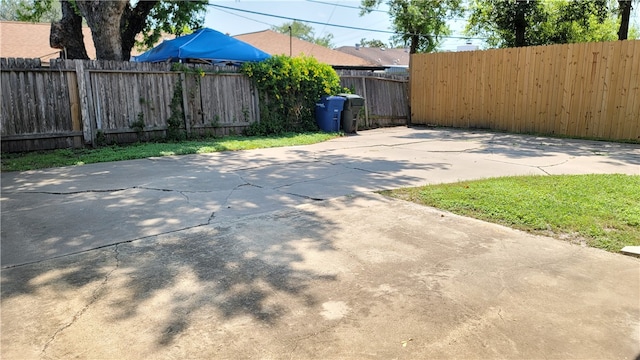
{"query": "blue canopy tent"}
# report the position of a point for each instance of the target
(205, 44)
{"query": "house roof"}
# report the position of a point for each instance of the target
(276, 43)
(31, 40)
(378, 56)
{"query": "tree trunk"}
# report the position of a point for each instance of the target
(104, 19)
(132, 23)
(66, 34)
(520, 23)
(625, 12)
(413, 47)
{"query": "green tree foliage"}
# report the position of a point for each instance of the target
(419, 23)
(17, 10)
(289, 89)
(508, 23)
(512, 23)
(573, 21)
(304, 32)
(116, 23)
(374, 43)
(172, 17)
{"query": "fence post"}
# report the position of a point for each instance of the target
(74, 107)
(364, 95)
(185, 103)
(84, 89)
(256, 102)
(408, 85)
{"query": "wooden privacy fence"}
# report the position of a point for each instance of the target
(386, 97)
(75, 103)
(579, 90)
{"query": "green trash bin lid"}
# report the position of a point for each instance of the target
(353, 100)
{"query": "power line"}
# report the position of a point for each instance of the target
(371, 10)
(245, 17)
(345, 6)
(335, 25)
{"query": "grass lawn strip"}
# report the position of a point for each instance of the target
(69, 157)
(601, 210)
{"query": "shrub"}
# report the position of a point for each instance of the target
(289, 89)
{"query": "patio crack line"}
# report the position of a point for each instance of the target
(94, 298)
(244, 183)
(108, 191)
(273, 164)
(108, 245)
(303, 196)
(277, 188)
(543, 170)
(532, 166)
(305, 181)
(450, 151)
(74, 192)
(350, 168)
(381, 145)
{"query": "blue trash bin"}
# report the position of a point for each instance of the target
(329, 112)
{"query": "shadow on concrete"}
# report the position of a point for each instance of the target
(197, 233)
(252, 267)
(68, 210)
(524, 146)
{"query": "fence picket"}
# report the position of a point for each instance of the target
(580, 90)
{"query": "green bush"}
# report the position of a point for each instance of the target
(175, 122)
(289, 89)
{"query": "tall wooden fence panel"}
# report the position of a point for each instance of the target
(580, 90)
(39, 106)
(123, 100)
(74, 103)
(77, 103)
(225, 101)
(386, 98)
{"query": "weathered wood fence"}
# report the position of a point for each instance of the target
(580, 90)
(84, 103)
(77, 103)
(386, 97)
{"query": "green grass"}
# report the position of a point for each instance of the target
(68, 157)
(601, 210)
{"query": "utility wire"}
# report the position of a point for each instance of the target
(338, 26)
(370, 10)
(246, 17)
(345, 6)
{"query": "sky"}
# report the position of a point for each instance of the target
(325, 13)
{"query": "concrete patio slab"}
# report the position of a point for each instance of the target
(289, 253)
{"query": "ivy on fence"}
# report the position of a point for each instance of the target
(289, 89)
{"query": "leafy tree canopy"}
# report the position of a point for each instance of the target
(116, 23)
(304, 32)
(374, 43)
(419, 23)
(509, 23)
(13, 10)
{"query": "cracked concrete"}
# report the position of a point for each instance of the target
(94, 298)
(286, 252)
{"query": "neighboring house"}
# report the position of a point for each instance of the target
(31, 40)
(275, 43)
(378, 56)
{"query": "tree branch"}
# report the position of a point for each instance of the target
(132, 23)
